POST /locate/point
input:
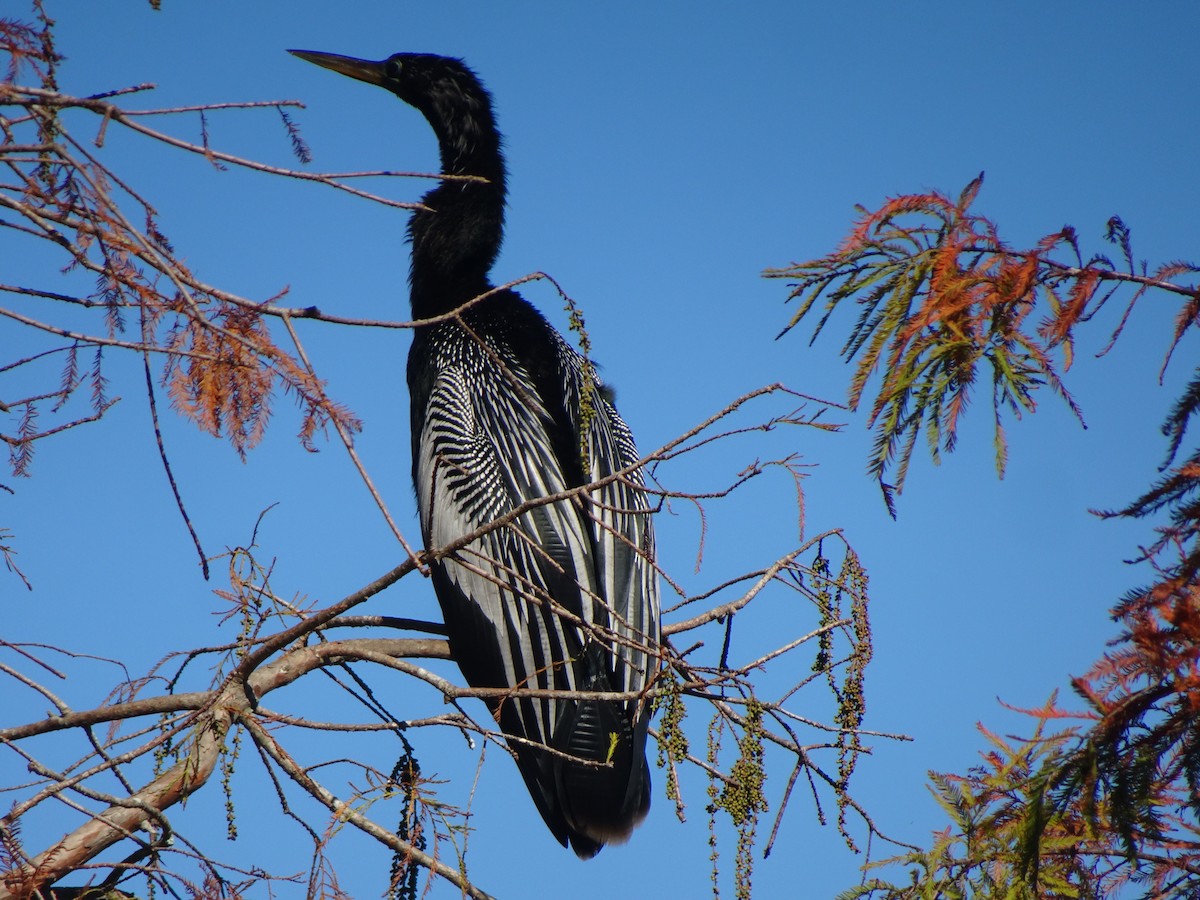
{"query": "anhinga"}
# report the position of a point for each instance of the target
(505, 411)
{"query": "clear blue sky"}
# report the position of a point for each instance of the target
(661, 156)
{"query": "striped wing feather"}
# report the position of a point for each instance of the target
(565, 597)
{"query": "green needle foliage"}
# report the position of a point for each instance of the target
(944, 307)
(1009, 837)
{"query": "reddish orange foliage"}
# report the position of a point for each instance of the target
(941, 298)
(221, 362)
(940, 295)
(217, 379)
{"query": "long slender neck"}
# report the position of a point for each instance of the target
(456, 241)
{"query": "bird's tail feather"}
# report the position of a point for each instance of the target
(589, 805)
(601, 804)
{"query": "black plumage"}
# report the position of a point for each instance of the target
(505, 411)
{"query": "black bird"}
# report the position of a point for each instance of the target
(505, 411)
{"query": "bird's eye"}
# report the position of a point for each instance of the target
(392, 68)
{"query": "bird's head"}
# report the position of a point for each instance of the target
(443, 88)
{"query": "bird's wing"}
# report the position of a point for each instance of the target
(623, 535)
(550, 599)
(601, 805)
(522, 593)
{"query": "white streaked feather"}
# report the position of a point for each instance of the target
(484, 449)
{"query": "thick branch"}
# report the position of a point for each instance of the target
(124, 819)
